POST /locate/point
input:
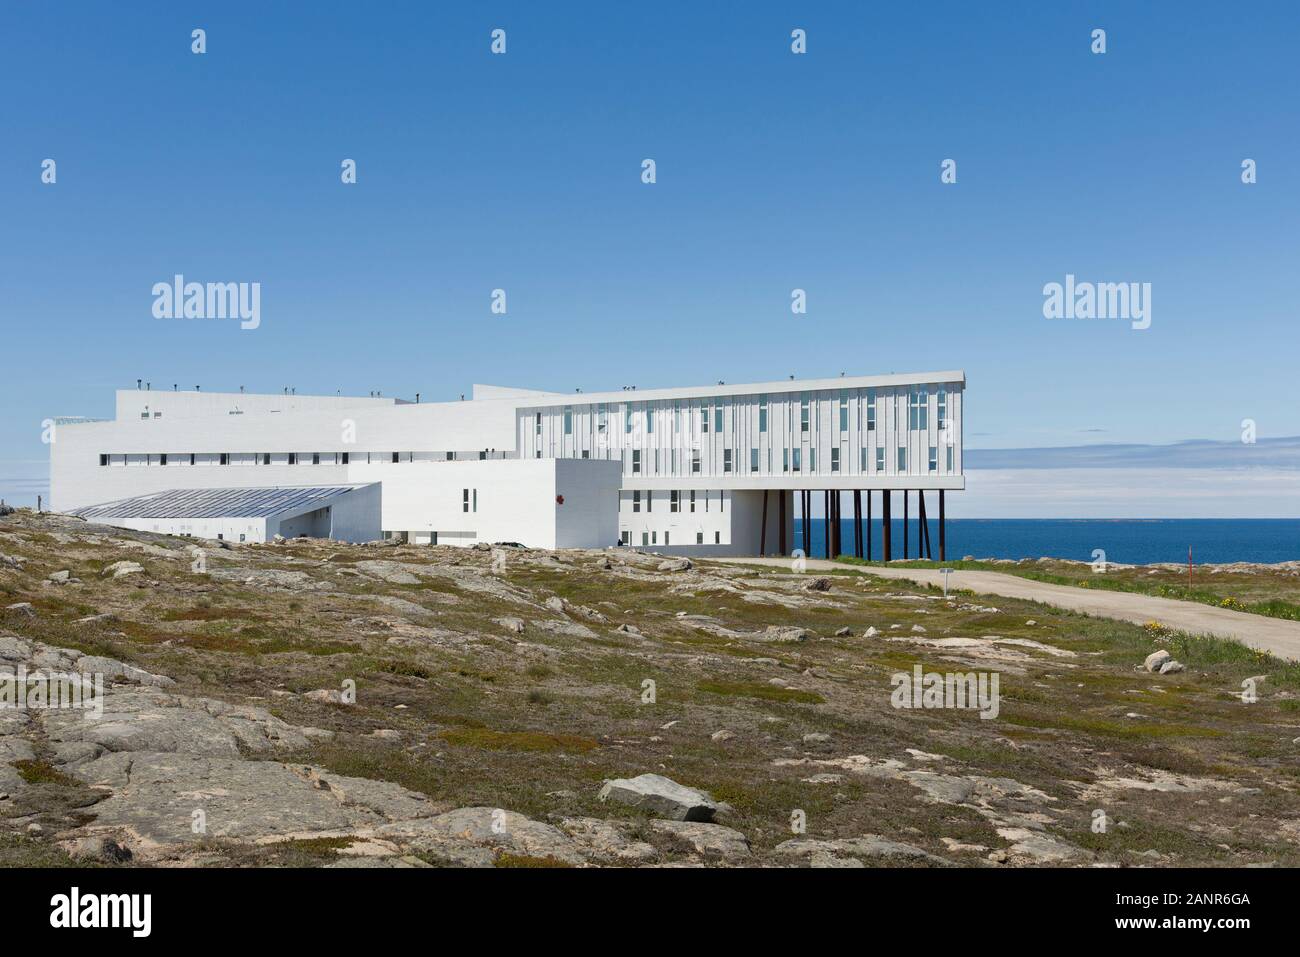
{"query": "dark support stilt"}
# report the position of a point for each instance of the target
(905, 528)
(762, 534)
(780, 512)
(943, 551)
(923, 544)
(886, 547)
(868, 524)
(857, 523)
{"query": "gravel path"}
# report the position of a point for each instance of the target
(1275, 635)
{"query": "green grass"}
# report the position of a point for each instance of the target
(491, 740)
(764, 692)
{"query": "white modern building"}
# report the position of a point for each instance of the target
(713, 470)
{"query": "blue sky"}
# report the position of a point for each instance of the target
(775, 171)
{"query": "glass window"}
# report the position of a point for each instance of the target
(785, 460)
(797, 456)
(920, 407)
(880, 458)
(674, 501)
(753, 460)
(835, 460)
(871, 410)
(726, 460)
(803, 416)
(762, 413)
(464, 500)
(717, 418)
(627, 417)
(950, 458)
(695, 462)
(602, 417)
(568, 420)
(934, 459)
(692, 500)
(942, 406)
(636, 461)
(649, 418)
(902, 460)
(636, 501)
(844, 410)
(704, 418)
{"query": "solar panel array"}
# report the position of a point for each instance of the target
(216, 502)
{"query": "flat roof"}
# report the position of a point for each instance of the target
(747, 388)
(217, 502)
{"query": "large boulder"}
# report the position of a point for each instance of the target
(661, 797)
(1156, 659)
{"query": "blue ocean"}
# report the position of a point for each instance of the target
(1128, 541)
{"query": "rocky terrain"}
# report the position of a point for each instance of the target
(312, 703)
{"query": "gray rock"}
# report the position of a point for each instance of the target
(869, 845)
(121, 569)
(821, 583)
(511, 624)
(843, 632)
(711, 840)
(23, 608)
(661, 797)
(721, 736)
(607, 839)
(1156, 659)
(870, 632)
(676, 565)
(1171, 667)
(99, 848)
(473, 836)
(59, 578)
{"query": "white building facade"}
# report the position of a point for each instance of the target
(711, 470)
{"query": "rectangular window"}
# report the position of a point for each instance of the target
(717, 418)
(812, 459)
(162, 459)
(464, 500)
(717, 538)
(902, 460)
(602, 417)
(880, 458)
(864, 460)
(538, 428)
(798, 455)
(192, 458)
(654, 538)
(695, 462)
(636, 501)
(704, 418)
(920, 409)
(649, 501)
(803, 415)
(103, 459)
(692, 500)
(636, 461)
(347, 457)
(451, 456)
(649, 419)
(844, 410)
(225, 458)
(674, 501)
(568, 420)
(315, 458)
(835, 459)
(627, 417)
(665, 538)
(934, 459)
(785, 460)
(950, 459)
(726, 460)
(753, 460)
(871, 410)
(699, 538)
(942, 406)
(645, 539)
(482, 456)
(476, 500)
(395, 458)
(762, 413)
(627, 538)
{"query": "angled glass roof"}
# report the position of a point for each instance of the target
(218, 502)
